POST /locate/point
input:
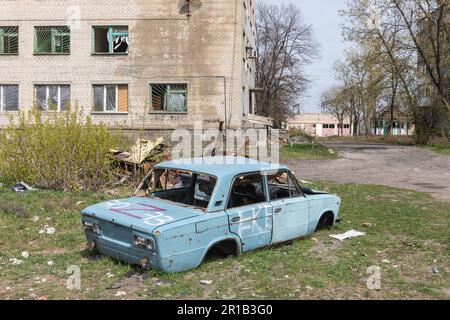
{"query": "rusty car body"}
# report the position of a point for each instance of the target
(184, 209)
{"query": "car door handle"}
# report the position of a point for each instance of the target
(236, 219)
(278, 210)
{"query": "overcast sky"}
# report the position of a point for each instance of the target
(324, 17)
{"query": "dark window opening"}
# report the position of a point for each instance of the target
(110, 40)
(247, 190)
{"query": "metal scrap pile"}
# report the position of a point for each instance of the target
(142, 157)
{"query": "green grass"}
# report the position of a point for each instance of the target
(307, 151)
(439, 148)
(409, 229)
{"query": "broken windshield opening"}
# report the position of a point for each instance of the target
(179, 186)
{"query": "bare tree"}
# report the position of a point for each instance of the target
(413, 38)
(285, 46)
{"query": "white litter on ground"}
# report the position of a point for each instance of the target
(347, 235)
(25, 254)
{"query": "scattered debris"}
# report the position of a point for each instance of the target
(347, 235)
(367, 225)
(16, 262)
(314, 239)
(331, 151)
(35, 219)
(121, 294)
(434, 270)
(47, 230)
(22, 187)
(386, 261)
(80, 203)
(25, 254)
(50, 263)
(206, 282)
(144, 154)
(309, 288)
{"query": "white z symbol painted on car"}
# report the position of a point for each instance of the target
(156, 219)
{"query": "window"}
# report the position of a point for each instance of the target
(110, 40)
(52, 97)
(179, 186)
(168, 98)
(346, 126)
(52, 40)
(9, 40)
(110, 98)
(247, 190)
(9, 97)
(282, 185)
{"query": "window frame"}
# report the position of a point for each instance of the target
(2, 97)
(111, 34)
(168, 84)
(105, 94)
(4, 33)
(292, 182)
(47, 92)
(264, 185)
(54, 33)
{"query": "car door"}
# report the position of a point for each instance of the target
(249, 212)
(290, 207)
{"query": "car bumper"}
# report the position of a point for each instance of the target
(126, 254)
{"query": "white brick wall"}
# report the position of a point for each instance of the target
(205, 52)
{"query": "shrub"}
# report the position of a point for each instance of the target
(54, 150)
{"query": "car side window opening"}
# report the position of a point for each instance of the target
(246, 190)
(282, 186)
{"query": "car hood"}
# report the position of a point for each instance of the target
(139, 213)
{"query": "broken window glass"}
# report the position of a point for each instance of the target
(111, 98)
(9, 40)
(110, 40)
(65, 97)
(98, 98)
(52, 97)
(9, 97)
(52, 40)
(168, 97)
(41, 97)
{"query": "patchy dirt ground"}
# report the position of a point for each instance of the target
(382, 164)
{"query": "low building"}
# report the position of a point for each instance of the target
(320, 124)
(402, 123)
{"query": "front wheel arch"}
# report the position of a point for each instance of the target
(326, 221)
(229, 246)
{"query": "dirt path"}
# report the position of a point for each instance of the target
(382, 164)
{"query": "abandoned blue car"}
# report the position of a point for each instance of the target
(185, 209)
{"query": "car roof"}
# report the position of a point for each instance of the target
(220, 166)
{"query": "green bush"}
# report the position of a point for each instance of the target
(56, 150)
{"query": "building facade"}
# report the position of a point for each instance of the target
(320, 124)
(139, 64)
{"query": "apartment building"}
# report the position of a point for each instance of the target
(138, 64)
